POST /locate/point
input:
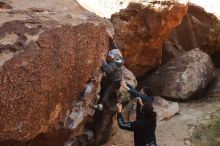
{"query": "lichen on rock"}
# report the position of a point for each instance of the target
(46, 58)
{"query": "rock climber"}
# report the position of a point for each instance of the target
(143, 128)
(113, 69)
(145, 95)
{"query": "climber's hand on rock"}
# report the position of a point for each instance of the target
(119, 107)
(139, 100)
(123, 84)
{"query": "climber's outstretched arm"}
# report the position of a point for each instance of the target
(130, 126)
(121, 123)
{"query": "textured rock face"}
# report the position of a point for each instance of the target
(47, 54)
(141, 29)
(183, 77)
(197, 29)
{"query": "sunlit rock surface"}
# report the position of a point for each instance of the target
(141, 29)
(48, 52)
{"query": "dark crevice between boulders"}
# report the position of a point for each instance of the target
(141, 79)
(216, 59)
(4, 5)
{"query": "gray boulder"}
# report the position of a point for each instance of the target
(183, 77)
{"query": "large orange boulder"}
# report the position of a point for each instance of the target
(140, 30)
(48, 53)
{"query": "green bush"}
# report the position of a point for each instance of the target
(207, 134)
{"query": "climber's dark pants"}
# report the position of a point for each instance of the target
(108, 90)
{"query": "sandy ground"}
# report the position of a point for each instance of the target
(175, 131)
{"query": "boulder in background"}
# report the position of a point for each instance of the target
(184, 77)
